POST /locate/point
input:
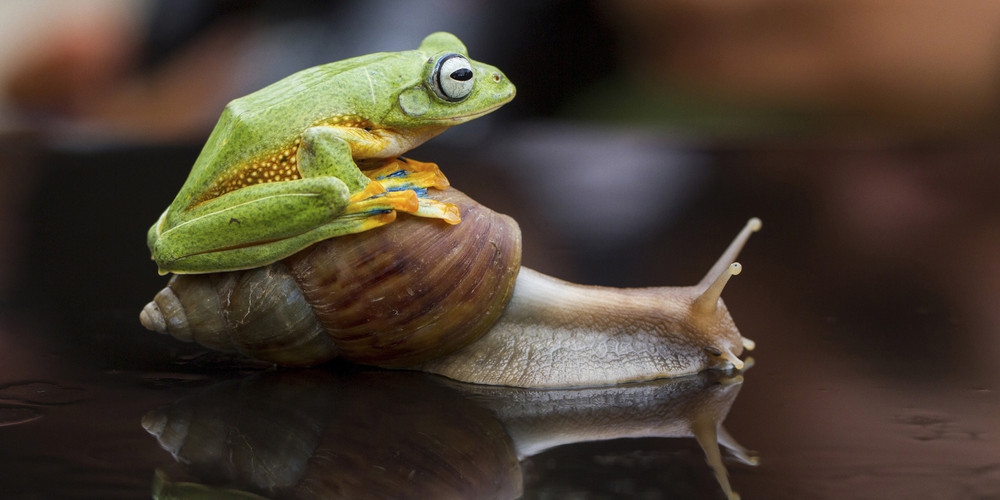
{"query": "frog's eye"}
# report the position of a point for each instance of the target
(453, 77)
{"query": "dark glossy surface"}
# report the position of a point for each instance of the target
(871, 294)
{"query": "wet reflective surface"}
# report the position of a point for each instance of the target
(318, 434)
(871, 294)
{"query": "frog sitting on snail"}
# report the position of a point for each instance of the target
(255, 275)
(280, 170)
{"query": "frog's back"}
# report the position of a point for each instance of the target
(274, 117)
(301, 99)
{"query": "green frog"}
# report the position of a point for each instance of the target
(292, 164)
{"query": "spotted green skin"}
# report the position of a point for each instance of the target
(324, 118)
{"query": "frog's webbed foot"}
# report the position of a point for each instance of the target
(404, 173)
(401, 185)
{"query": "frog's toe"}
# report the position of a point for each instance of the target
(434, 209)
(401, 184)
(403, 201)
(403, 173)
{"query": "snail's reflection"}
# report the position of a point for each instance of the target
(318, 434)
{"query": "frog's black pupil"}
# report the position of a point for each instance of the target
(462, 74)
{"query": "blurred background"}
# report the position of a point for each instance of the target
(643, 135)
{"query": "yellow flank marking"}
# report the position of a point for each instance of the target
(273, 166)
(351, 121)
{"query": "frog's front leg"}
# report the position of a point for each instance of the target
(326, 152)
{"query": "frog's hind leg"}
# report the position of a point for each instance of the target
(262, 217)
(252, 256)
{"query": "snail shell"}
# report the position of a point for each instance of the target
(394, 296)
(454, 300)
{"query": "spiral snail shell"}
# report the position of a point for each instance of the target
(454, 300)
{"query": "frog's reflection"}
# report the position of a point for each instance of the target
(319, 434)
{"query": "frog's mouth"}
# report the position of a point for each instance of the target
(456, 119)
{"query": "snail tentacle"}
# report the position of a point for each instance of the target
(728, 257)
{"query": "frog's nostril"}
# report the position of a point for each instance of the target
(497, 77)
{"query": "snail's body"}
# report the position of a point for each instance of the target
(454, 300)
(558, 334)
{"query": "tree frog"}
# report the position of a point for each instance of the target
(280, 171)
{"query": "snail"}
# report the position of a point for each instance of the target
(287, 246)
(454, 300)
